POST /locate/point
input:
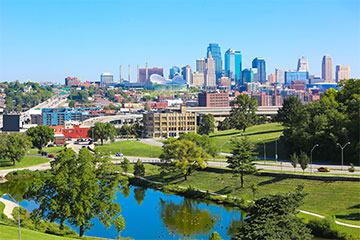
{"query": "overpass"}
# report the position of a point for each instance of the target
(117, 120)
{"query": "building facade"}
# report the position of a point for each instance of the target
(69, 81)
(174, 71)
(145, 73)
(327, 69)
(280, 75)
(58, 116)
(198, 79)
(213, 99)
(215, 51)
(291, 76)
(233, 65)
(200, 65)
(272, 78)
(247, 76)
(169, 124)
(259, 64)
(224, 83)
(342, 72)
(303, 65)
(106, 79)
(187, 74)
(210, 74)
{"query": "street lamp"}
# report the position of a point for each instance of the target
(342, 154)
(18, 205)
(316, 145)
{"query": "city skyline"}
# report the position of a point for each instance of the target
(72, 43)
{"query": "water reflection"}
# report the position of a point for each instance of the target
(16, 188)
(186, 218)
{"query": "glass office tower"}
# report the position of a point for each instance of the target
(259, 63)
(233, 65)
(215, 50)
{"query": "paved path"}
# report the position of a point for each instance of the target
(337, 222)
(44, 166)
(9, 207)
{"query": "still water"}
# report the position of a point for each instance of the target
(151, 214)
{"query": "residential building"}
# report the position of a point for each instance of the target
(280, 75)
(233, 65)
(303, 65)
(291, 76)
(327, 69)
(198, 79)
(69, 81)
(213, 99)
(200, 65)
(342, 72)
(174, 71)
(215, 51)
(210, 74)
(187, 74)
(58, 116)
(259, 64)
(169, 123)
(106, 79)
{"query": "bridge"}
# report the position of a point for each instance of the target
(117, 120)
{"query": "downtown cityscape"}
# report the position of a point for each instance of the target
(179, 120)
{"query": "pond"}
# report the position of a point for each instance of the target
(151, 214)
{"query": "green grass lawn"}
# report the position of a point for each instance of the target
(132, 148)
(27, 161)
(49, 150)
(328, 198)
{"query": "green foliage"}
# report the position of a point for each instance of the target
(304, 160)
(79, 190)
(331, 120)
(294, 160)
(224, 125)
(147, 108)
(215, 236)
(207, 124)
(139, 194)
(40, 136)
(326, 228)
(13, 147)
(183, 155)
(130, 130)
(139, 169)
(72, 103)
(79, 96)
(274, 217)
(125, 165)
(243, 114)
(352, 168)
(254, 189)
(203, 141)
(102, 131)
(241, 160)
(119, 224)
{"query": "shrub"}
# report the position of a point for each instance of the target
(352, 168)
(325, 228)
(139, 169)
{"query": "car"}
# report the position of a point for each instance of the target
(324, 169)
(138, 139)
(119, 154)
(51, 156)
(44, 153)
(76, 142)
(51, 145)
(68, 139)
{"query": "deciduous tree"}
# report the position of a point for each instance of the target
(13, 147)
(102, 131)
(40, 136)
(243, 114)
(139, 169)
(207, 124)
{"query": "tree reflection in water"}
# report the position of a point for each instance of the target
(139, 194)
(186, 219)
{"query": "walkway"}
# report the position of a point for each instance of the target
(9, 207)
(337, 222)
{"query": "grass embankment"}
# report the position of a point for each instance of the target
(27, 161)
(49, 150)
(131, 148)
(257, 134)
(328, 198)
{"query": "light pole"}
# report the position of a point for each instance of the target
(264, 150)
(18, 205)
(316, 145)
(342, 154)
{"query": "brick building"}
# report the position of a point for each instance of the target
(213, 99)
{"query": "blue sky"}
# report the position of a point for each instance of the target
(47, 40)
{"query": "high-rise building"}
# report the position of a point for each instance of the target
(327, 69)
(303, 65)
(186, 73)
(174, 71)
(280, 75)
(106, 79)
(272, 78)
(342, 72)
(198, 79)
(200, 65)
(291, 76)
(145, 73)
(233, 65)
(247, 75)
(215, 50)
(213, 99)
(259, 63)
(210, 76)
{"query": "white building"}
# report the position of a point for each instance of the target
(327, 69)
(106, 78)
(303, 65)
(342, 72)
(280, 75)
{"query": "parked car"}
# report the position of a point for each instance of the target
(51, 145)
(69, 139)
(119, 155)
(51, 156)
(44, 153)
(324, 169)
(77, 142)
(138, 139)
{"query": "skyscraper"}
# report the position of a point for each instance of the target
(214, 48)
(186, 73)
(342, 72)
(233, 65)
(280, 75)
(210, 76)
(303, 65)
(106, 79)
(200, 65)
(197, 79)
(174, 71)
(259, 63)
(327, 69)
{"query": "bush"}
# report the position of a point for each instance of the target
(352, 168)
(28, 174)
(139, 169)
(325, 228)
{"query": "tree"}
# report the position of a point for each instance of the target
(241, 160)
(183, 155)
(125, 130)
(224, 125)
(119, 224)
(215, 236)
(13, 147)
(80, 189)
(139, 194)
(274, 217)
(139, 169)
(147, 108)
(102, 131)
(40, 136)
(254, 188)
(290, 112)
(203, 141)
(304, 161)
(125, 165)
(207, 124)
(243, 114)
(71, 103)
(294, 160)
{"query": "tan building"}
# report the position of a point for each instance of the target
(272, 78)
(327, 69)
(342, 72)
(198, 79)
(169, 124)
